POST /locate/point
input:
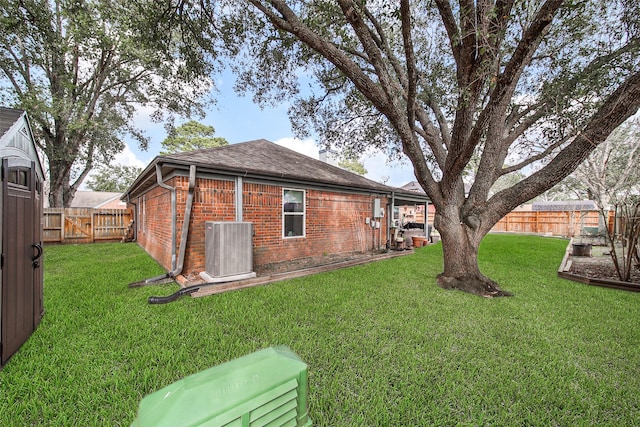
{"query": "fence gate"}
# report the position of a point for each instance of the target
(77, 226)
(21, 303)
(85, 225)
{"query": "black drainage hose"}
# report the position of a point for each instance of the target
(174, 296)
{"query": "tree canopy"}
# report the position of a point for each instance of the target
(611, 171)
(190, 136)
(352, 164)
(115, 178)
(525, 86)
(81, 71)
(529, 87)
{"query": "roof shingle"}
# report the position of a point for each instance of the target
(261, 157)
(265, 160)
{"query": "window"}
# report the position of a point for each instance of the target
(293, 215)
(19, 177)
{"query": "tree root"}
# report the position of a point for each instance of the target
(473, 284)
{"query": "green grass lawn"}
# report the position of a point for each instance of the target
(385, 346)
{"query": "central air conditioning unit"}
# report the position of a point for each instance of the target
(228, 251)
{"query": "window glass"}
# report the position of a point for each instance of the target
(293, 201)
(19, 177)
(293, 213)
(293, 225)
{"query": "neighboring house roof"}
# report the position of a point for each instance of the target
(566, 205)
(93, 199)
(417, 188)
(261, 159)
(413, 186)
(16, 137)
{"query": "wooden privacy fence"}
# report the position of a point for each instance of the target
(566, 223)
(85, 225)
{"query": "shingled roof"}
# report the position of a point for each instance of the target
(8, 117)
(16, 137)
(264, 160)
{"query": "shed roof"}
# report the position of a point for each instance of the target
(16, 137)
(8, 117)
(261, 159)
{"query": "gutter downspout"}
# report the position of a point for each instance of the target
(173, 213)
(185, 224)
(238, 200)
(390, 218)
(175, 269)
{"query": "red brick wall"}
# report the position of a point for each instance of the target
(335, 222)
(214, 200)
(153, 216)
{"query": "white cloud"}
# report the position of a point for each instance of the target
(380, 169)
(125, 158)
(128, 158)
(307, 147)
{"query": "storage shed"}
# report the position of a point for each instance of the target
(21, 282)
(256, 207)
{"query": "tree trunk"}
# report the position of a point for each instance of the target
(55, 197)
(460, 243)
(60, 194)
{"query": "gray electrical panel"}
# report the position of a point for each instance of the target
(376, 208)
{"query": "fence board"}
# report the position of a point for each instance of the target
(85, 225)
(556, 223)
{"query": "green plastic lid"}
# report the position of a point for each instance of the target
(265, 388)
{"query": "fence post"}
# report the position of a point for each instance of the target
(62, 225)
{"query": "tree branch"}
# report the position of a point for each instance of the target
(618, 107)
(410, 58)
(537, 157)
(450, 24)
(490, 123)
(507, 80)
(428, 131)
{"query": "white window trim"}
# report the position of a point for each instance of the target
(303, 213)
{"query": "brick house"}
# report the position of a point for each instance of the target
(299, 208)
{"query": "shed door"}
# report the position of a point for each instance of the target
(21, 304)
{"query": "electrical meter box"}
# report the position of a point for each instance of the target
(376, 208)
(265, 388)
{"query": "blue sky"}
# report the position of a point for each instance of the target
(238, 119)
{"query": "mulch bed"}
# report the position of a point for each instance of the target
(602, 270)
(597, 269)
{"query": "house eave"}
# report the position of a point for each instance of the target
(146, 180)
